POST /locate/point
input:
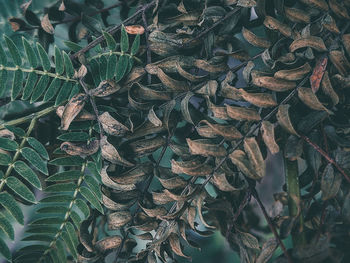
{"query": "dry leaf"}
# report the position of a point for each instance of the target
(72, 109)
(46, 24)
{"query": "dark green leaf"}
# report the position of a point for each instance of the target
(64, 176)
(27, 173)
(4, 250)
(16, 130)
(40, 88)
(122, 66)
(5, 159)
(124, 41)
(59, 61)
(69, 244)
(68, 161)
(72, 46)
(38, 147)
(30, 84)
(20, 189)
(52, 90)
(61, 187)
(64, 93)
(7, 227)
(55, 209)
(76, 219)
(34, 159)
(42, 229)
(16, 56)
(30, 53)
(83, 207)
(68, 65)
(48, 221)
(44, 57)
(8, 144)
(3, 81)
(135, 45)
(9, 203)
(75, 90)
(56, 199)
(86, 192)
(94, 187)
(43, 238)
(112, 45)
(17, 84)
(73, 136)
(3, 57)
(111, 67)
(103, 67)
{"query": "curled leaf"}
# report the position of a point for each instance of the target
(284, 119)
(274, 24)
(80, 149)
(111, 125)
(310, 99)
(82, 116)
(293, 74)
(205, 148)
(253, 152)
(310, 41)
(46, 24)
(105, 88)
(111, 154)
(254, 39)
(118, 219)
(72, 109)
(135, 30)
(268, 134)
(296, 15)
(272, 83)
(108, 243)
(328, 89)
(242, 113)
(239, 159)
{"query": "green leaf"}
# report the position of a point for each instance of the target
(135, 45)
(3, 81)
(94, 170)
(10, 204)
(124, 41)
(52, 90)
(61, 187)
(76, 219)
(94, 187)
(71, 232)
(16, 56)
(34, 159)
(56, 209)
(47, 221)
(112, 45)
(7, 144)
(64, 176)
(68, 161)
(59, 61)
(56, 199)
(17, 84)
(40, 88)
(27, 173)
(122, 66)
(30, 53)
(64, 93)
(68, 65)
(3, 57)
(111, 67)
(91, 197)
(75, 90)
(16, 130)
(5, 159)
(30, 84)
(44, 57)
(61, 251)
(72, 46)
(7, 227)
(42, 229)
(103, 67)
(73, 136)
(38, 147)
(43, 238)
(4, 250)
(69, 244)
(20, 189)
(95, 71)
(83, 207)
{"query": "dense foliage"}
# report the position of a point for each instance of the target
(133, 128)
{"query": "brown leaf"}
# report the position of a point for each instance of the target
(284, 120)
(107, 181)
(240, 159)
(105, 88)
(206, 148)
(274, 24)
(293, 74)
(134, 175)
(114, 206)
(81, 149)
(320, 4)
(339, 9)
(267, 250)
(340, 62)
(328, 89)
(272, 83)
(229, 132)
(157, 212)
(318, 72)
(296, 15)
(118, 219)
(82, 71)
(330, 182)
(209, 88)
(310, 41)
(17, 24)
(111, 154)
(346, 42)
(255, 157)
(111, 125)
(195, 167)
(5, 133)
(268, 134)
(72, 109)
(242, 113)
(220, 181)
(329, 23)
(46, 24)
(146, 146)
(189, 76)
(108, 243)
(135, 29)
(254, 39)
(310, 99)
(62, 7)
(175, 245)
(206, 66)
(82, 116)
(263, 100)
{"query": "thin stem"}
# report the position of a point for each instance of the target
(113, 30)
(18, 152)
(29, 117)
(271, 226)
(293, 190)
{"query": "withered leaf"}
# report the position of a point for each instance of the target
(107, 181)
(105, 88)
(46, 24)
(296, 15)
(293, 74)
(114, 206)
(340, 62)
(135, 29)
(268, 134)
(255, 157)
(318, 72)
(175, 245)
(249, 240)
(81, 149)
(173, 182)
(193, 167)
(152, 117)
(339, 9)
(284, 119)
(205, 147)
(274, 24)
(263, 100)
(220, 181)
(246, 3)
(111, 125)
(199, 202)
(346, 42)
(310, 41)
(310, 99)
(272, 83)
(189, 76)
(320, 4)
(82, 116)
(72, 109)
(330, 182)
(267, 250)
(240, 159)
(209, 88)
(155, 212)
(110, 153)
(108, 243)
(82, 71)
(135, 175)
(328, 89)
(206, 66)
(242, 113)
(146, 146)
(329, 23)
(118, 219)
(227, 131)
(254, 39)
(184, 107)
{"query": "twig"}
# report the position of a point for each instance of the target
(271, 226)
(113, 30)
(326, 156)
(92, 101)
